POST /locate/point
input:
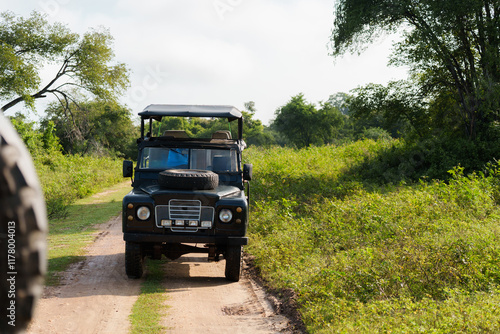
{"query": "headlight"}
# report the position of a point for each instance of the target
(143, 213)
(225, 215)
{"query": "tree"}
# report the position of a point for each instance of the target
(96, 128)
(254, 132)
(303, 125)
(338, 100)
(253, 129)
(451, 46)
(26, 45)
(396, 107)
(37, 141)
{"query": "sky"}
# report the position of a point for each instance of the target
(221, 51)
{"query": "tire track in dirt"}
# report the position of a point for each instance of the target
(95, 296)
(201, 300)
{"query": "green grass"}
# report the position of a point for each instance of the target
(369, 256)
(69, 236)
(66, 178)
(150, 308)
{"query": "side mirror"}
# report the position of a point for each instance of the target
(128, 167)
(247, 172)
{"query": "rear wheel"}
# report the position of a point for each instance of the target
(233, 263)
(134, 260)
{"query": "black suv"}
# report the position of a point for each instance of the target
(188, 194)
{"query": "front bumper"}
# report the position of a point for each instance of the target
(160, 238)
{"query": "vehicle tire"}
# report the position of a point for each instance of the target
(134, 260)
(188, 179)
(23, 228)
(233, 263)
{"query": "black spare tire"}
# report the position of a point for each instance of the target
(188, 179)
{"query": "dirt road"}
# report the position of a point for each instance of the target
(96, 296)
(203, 301)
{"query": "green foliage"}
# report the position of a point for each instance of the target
(254, 132)
(85, 63)
(69, 236)
(38, 142)
(367, 256)
(404, 160)
(338, 100)
(64, 178)
(195, 127)
(451, 47)
(397, 108)
(310, 173)
(94, 128)
(24, 43)
(304, 125)
(376, 134)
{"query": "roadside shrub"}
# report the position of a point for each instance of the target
(64, 178)
(431, 158)
(67, 178)
(371, 256)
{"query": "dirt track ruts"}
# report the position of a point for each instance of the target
(96, 296)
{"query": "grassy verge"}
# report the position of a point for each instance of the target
(367, 256)
(69, 236)
(67, 178)
(149, 308)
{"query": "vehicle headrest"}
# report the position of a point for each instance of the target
(221, 134)
(175, 134)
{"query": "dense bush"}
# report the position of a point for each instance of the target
(67, 178)
(365, 255)
(432, 158)
(64, 178)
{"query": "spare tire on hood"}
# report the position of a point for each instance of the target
(188, 179)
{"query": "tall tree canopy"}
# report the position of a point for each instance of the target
(451, 46)
(395, 108)
(95, 128)
(85, 62)
(304, 125)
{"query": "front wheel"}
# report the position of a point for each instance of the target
(233, 263)
(23, 229)
(134, 260)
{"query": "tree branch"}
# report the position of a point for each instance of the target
(41, 93)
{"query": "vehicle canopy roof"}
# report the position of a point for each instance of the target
(157, 111)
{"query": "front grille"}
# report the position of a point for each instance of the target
(184, 216)
(184, 209)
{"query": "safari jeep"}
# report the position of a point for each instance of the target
(188, 194)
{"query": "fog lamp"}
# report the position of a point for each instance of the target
(206, 223)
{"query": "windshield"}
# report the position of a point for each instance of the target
(216, 160)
